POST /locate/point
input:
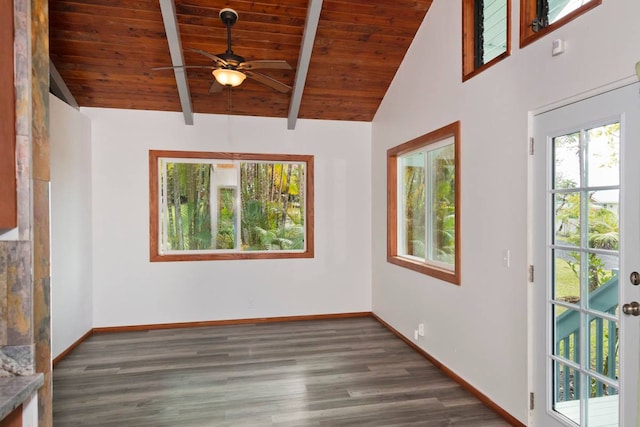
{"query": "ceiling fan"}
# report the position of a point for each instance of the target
(230, 70)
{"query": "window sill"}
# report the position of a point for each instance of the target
(424, 268)
(155, 257)
(489, 64)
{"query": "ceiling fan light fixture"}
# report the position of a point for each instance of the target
(229, 77)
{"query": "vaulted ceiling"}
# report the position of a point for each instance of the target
(105, 51)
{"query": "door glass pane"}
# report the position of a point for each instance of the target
(602, 405)
(603, 282)
(566, 165)
(412, 234)
(603, 353)
(567, 391)
(603, 155)
(567, 333)
(567, 219)
(566, 276)
(604, 224)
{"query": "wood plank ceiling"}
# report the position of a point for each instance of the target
(105, 51)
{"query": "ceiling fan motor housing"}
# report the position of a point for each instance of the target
(231, 58)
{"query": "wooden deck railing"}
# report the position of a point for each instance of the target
(603, 343)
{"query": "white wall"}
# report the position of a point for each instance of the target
(130, 290)
(71, 288)
(479, 330)
(30, 412)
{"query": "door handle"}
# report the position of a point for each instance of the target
(631, 309)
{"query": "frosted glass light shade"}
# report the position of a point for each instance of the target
(227, 77)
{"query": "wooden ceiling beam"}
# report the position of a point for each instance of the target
(59, 88)
(170, 20)
(308, 39)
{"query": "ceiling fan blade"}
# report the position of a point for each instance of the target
(182, 67)
(215, 87)
(266, 80)
(265, 64)
(211, 56)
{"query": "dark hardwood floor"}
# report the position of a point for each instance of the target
(343, 372)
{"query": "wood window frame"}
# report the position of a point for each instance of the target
(451, 130)
(469, 66)
(528, 14)
(8, 182)
(154, 206)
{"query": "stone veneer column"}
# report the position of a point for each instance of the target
(16, 283)
(25, 333)
(41, 185)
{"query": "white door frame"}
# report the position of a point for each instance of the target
(531, 175)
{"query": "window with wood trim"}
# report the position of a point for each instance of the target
(423, 206)
(225, 206)
(540, 17)
(486, 29)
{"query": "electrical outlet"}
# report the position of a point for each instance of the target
(415, 335)
(421, 329)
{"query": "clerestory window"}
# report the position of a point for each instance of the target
(423, 226)
(486, 34)
(540, 17)
(224, 206)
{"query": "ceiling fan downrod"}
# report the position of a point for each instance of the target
(228, 17)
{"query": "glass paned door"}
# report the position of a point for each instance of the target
(586, 240)
(584, 261)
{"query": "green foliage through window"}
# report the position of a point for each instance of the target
(187, 215)
(428, 200)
